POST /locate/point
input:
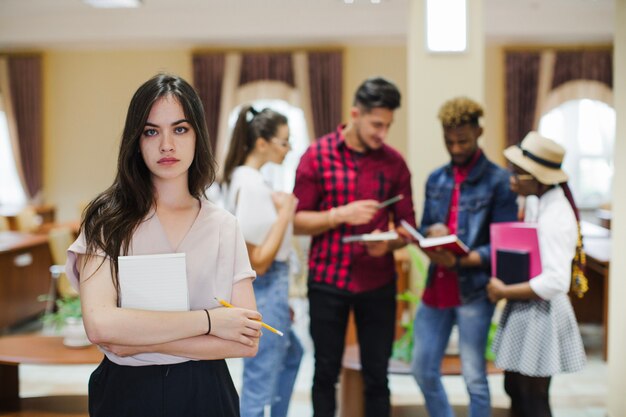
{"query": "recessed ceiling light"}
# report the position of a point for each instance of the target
(113, 4)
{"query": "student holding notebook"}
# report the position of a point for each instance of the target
(165, 363)
(538, 335)
(266, 220)
(463, 197)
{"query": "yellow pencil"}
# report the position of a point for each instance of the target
(267, 326)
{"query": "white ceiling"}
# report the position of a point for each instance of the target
(205, 23)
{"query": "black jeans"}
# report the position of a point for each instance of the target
(374, 313)
(529, 395)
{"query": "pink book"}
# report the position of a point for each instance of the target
(519, 236)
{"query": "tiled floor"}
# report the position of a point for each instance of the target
(575, 395)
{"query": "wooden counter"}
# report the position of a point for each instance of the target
(34, 349)
(593, 307)
(24, 275)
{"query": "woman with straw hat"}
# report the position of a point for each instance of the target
(538, 335)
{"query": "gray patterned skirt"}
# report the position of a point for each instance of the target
(539, 338)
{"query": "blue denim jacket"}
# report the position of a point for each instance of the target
(485, 198)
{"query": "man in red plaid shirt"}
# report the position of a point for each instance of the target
(340, 182)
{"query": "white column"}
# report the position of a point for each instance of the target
(617, 279)
(433, 79)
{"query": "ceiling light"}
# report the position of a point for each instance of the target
(113, 4)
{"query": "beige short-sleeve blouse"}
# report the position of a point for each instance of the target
(216, 258)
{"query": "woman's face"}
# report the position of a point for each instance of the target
(522, 183)
(168, 141)
(279, 145)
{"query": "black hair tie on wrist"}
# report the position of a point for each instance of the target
(208, 317)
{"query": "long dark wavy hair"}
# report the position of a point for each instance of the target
(111, 218)
(250, 126)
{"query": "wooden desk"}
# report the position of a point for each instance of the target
(47, 213)
(73, 225)
(594, 306)
(351, 389)
(34, 349)
(24, 276)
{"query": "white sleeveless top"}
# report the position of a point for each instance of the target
(249, 198)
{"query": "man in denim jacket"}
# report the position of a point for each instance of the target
(463, 197)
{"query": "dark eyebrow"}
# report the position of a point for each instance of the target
(173, 124)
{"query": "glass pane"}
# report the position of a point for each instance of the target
(594, 187)
(446, 25)
(11, 191)
(586, 129)
(597, 125)
(282, 177)
(552, 124)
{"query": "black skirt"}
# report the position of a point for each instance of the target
(192, 388)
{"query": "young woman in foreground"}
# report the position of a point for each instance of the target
(162, 362)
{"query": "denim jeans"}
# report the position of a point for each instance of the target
(269, 377)
(432, 331)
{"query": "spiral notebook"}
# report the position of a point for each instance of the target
(154, 282)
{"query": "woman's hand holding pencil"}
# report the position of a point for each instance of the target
(267, 326)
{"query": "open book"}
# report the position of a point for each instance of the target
(154, 282)
(448, 242)
(371, 237)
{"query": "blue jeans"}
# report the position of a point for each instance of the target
(269, 377)
(432, 331)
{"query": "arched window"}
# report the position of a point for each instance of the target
(11, 191)
(282, 177)
(586, 128)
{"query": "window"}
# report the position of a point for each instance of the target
(586, 128)
(11, 191)
(282, 177)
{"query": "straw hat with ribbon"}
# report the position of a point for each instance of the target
(539, 156)
(542, 158)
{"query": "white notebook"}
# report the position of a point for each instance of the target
(154, 282)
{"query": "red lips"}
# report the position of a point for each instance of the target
(167, 161)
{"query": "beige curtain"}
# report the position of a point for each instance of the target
(232, 69)
(6, 104)
(303, 86)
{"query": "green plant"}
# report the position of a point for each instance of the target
(66, 307)
(403, 346)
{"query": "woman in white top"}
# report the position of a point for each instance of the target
(266, 220)
(164, 363)
(538, 335)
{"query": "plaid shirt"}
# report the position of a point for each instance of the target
(330, 175)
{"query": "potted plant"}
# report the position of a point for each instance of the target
(67, 321)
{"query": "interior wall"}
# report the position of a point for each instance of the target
(361, 62)
(86, 95)
(494, 122)
(617, 283)
(434, 78)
